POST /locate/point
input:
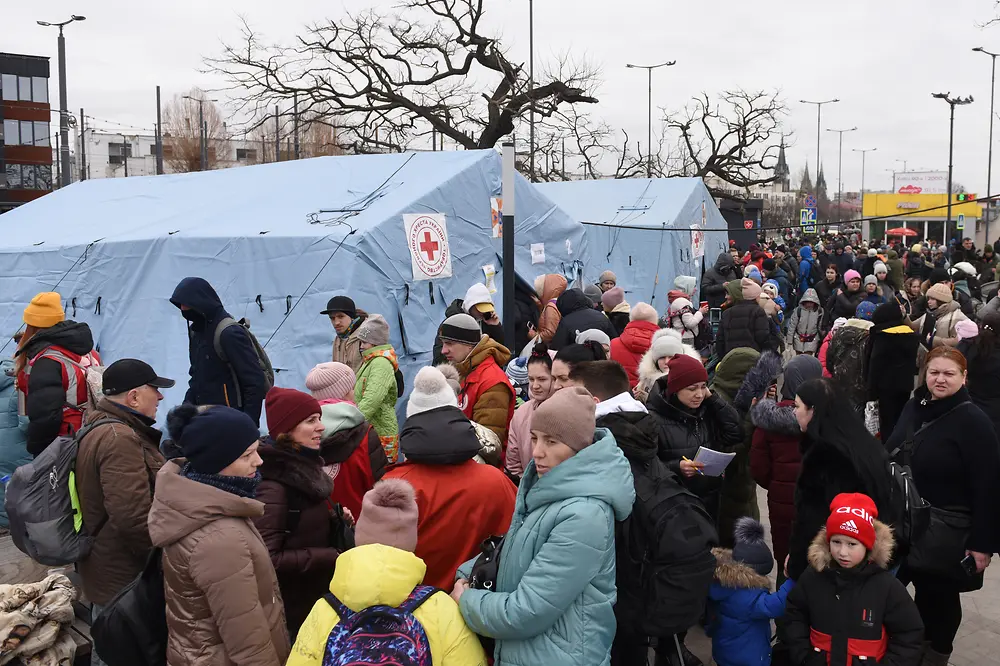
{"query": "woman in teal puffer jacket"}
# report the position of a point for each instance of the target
(555, 591)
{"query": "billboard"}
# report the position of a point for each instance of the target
(920, 182)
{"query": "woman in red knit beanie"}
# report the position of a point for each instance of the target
(299, 523)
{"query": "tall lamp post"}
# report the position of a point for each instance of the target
(531, 88)
(202, 133)
(952, 102)
(989, 165)
(865, 224)
(840, 165)
(819, 109)
(649, 121)
(64, 165)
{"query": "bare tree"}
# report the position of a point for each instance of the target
(386, 80)
(181, 134)
(735, 138)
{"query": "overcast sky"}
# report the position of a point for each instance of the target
(882, 58)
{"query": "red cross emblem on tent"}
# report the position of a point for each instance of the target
(427, 237)
(748, 224)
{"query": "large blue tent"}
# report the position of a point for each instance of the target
(276, 241)
(644, 230)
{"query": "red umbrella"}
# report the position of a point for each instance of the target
(901, 231)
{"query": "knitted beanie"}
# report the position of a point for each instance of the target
(941, 293)
(753, 273)
(666, 344)
(451, 376)
(517, 372)
(750, 547)
(684, 371)
(881, 268)
(966, 329)
(870, 279)
(865, 310)
(331, 381)
(838, 322)
(583, 337)
(461, 328)
(643, 312)
(388, 516)
(340, 416)
(770, 289)
(750, 289)
(887, 315)
(851, 275)
(374, 330)
(594, 294)
(568, 416)
(607, 276)
(45, 310)
(853, 515)
(612, 298)
(430, 391)
(873, 252)
(769, 264)
(679, 304)
(938, 275)
(211, 439)
(287, 408)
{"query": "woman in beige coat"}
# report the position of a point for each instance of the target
(223, 603)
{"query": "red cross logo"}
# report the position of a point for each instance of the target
(429, 247)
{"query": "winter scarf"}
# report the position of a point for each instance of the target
(357, 321)
(241, 486)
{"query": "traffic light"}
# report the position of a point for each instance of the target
(965, 197)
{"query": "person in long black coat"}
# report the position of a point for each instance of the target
(845, 300)
(744, 322)
(890, 364)
(578, 314)
(955, 462)
(838, 456)
(713, 282)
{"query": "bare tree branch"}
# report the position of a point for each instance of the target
(388, 80)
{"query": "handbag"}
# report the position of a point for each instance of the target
(484, 577)
(940, 550)
(341, 532)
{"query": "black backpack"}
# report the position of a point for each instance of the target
(262, 359)
(132, 628)
(816, 275)
(663, 555)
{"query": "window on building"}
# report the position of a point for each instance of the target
(246, 154)
(13, 176)
(27, 133)
(152, 149)
(11, 133)
(24, 84)
(40, 89)
(28, 179)
(41, 134)
(118, 151)
(44, 181)
(8, 87)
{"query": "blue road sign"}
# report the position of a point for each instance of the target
(807, 216)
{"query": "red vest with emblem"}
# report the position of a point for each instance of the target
(74, 380)
(485, 376)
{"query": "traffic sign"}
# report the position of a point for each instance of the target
(807, 216)
(811, 229)
(961, 221)
(810, 201)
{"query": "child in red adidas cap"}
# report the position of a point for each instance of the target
(846, 608)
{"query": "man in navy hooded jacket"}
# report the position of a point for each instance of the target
(211, 380)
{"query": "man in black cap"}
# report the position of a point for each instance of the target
(116, 468)
(346, 318)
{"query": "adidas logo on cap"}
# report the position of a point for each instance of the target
(849, 526)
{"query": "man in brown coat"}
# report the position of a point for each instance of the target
(346, 318)
(115, 471)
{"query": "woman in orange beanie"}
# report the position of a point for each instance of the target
(52, 356)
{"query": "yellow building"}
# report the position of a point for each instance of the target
(924, 213)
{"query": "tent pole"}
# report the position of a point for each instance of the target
(507, 230)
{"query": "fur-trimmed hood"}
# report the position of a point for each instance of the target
(778, 417)
(648, 372)
(763, 374)
(880, 555)
(295, 470)
(736, 575)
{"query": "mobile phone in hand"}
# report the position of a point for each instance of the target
(969, 564)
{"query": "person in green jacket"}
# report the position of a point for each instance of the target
(555, 592)
(375, 391)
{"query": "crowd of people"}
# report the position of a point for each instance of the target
(548, 502)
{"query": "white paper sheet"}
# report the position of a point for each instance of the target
(715, 461)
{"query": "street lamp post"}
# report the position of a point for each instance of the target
(126, 148)
(819, 108)
(64, 165)
(989, 165)
(840, 165)
(952, 102)
(202, 132)
(649, 121)
(531, 88)
(863, 152)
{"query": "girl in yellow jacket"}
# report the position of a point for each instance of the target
(383, 571)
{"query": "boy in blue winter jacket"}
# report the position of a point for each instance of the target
(741, 604)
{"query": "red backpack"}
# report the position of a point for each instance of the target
(82, 377)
